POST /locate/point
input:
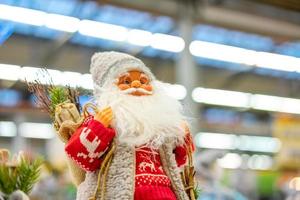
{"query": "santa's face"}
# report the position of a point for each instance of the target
(135, 83)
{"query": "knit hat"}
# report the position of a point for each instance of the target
(106, 67)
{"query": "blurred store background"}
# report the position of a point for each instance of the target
(235, 64)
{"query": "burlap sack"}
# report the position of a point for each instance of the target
(67, 120)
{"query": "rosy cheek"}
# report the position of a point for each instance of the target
(123, 86)
(147, 87)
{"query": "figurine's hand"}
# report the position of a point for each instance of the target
(105, 116)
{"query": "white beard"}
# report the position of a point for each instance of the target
(143, 120)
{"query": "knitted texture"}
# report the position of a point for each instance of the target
(151, 182)
(120, 180)
(88, 144)
(120, 183)
(171, 168)
(107, 66)
(121, 175)
(149, 171)
(154, 192)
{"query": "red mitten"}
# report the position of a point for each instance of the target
(89, 143)
(180, 155)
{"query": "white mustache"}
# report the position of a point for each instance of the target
(141, 90)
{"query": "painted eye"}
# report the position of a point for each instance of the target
(144, 80)
(127, 80)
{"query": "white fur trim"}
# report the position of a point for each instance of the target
(106, 67)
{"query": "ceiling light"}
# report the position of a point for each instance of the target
(237, 142)
(215, 140)
(221, 97)
(139, 37)
(167, 42)
(72, 78)
(62, 23)
(176, 91)
(230, 161)
(103, 30)
(245, 56)
(22, 15)
(36, 130)
(9, 72)
(8, 129)
(260, 162)
(274, 103)
(86, 81)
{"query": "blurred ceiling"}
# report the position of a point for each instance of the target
(286, 4)
(259, 16)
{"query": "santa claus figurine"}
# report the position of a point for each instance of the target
(134, 146)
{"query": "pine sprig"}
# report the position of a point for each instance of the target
(197, 192)
(57, 95)
(8, 179)
(20, 177)
(28, 174)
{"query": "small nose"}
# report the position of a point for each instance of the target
(136, 84)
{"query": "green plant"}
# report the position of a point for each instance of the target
(22, 176)
(57, 95)
(197, 192)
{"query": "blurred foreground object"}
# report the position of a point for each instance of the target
(17, 176)
(209, 175)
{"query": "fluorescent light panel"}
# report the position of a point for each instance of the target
(8, 129)
(215, 140)
(273, 103)
(237, 142)
(92, 28)
(245, 161)
(167, 42)
(62, 23)
(246, 100)
(72, 78)
(260, 162)
(221, 97)
(22, 15)
(103, 30)
(9, 72)
(245, 56)
(230, 161)
(176, 91)
(139, 37)
(36, 130)
(86, 81)
(30, 73)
